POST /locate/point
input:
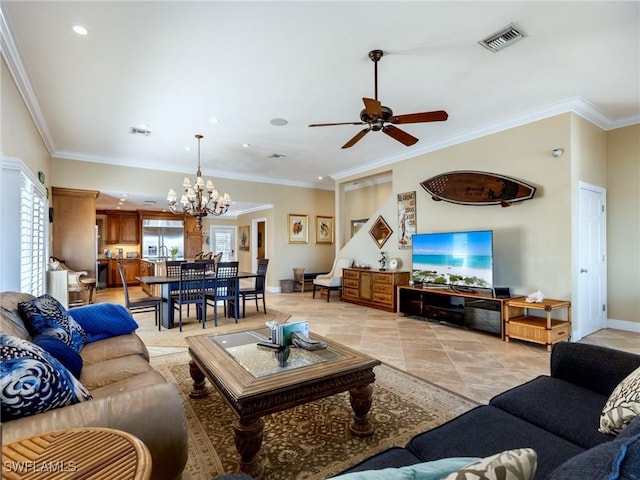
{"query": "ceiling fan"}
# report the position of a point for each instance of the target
(378, 117)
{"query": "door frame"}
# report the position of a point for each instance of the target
(254, 241)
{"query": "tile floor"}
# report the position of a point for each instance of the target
(474, 364)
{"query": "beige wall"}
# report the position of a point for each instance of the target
(623, 223)
(19, 137)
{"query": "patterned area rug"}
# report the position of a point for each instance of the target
(311, 441)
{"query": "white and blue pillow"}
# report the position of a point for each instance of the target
(32, 381)
(45, 315)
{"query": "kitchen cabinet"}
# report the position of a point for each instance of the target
(130, 268)
(192, 238)
(372, 288)
(123, 228)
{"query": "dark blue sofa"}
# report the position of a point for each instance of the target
(556, 415)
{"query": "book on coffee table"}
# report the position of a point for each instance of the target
(284, 331)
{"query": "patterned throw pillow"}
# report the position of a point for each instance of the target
(623, 405)
(32, 381)
(517, 464)
(47, 316)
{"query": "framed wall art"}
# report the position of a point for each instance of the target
(298, 226)
(406, 219)
(324, 229)
(243, 236)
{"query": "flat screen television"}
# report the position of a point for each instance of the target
(462, 259)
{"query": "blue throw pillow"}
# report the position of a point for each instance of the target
(32, 381)
(104, 320)
(45, 315)
(62, 352)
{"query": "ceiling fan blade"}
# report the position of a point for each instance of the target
(373, 107)
(355, 139)
(436, 116)
(332, 124)
(400, 135)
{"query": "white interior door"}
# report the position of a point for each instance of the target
(592, 248)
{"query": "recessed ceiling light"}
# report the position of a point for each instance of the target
(320, 178)
(246, 145)
(213, 120)
(125, 195)
(79, 29)
(278, 122)
(187, 149)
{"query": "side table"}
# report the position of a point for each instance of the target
(87, 452)
(545, 330)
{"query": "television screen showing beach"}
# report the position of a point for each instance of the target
(454, 258)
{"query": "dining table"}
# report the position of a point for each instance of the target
(171, 283)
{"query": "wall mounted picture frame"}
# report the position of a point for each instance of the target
(380, 231)
(298, 228)
(244, 239)
(356, 225)
(324, 229)
(406, 219)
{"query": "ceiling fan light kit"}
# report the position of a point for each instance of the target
(378, 117)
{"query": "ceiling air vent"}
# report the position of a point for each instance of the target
(276, 155)
(504, 38)
(139, 131)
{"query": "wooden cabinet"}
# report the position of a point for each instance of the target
(123, 228)
(372, 288)
(545, 330)
(131, 269)
(465, 309)
(192, 237)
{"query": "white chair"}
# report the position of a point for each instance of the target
(333, 279)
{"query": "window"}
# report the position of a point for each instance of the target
(223, 239)
(23, 241)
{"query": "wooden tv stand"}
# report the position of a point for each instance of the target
(472, 310)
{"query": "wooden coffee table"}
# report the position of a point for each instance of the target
(254, 384)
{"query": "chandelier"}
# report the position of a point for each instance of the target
(200, 199)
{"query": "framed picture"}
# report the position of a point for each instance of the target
(298, 226)
(243, 236)
(356, 225)
(406, 219)
(324, 229)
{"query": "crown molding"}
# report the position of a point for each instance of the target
(14, 64)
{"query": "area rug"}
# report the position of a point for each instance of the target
(312, 441)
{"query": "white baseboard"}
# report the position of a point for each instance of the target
(625, 325)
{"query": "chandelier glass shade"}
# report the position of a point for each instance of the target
(199, 199)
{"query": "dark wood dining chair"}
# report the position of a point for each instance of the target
(257, 291)
(143, 304)
(225, 289)
(191, 291)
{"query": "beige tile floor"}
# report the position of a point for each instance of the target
(474, 364)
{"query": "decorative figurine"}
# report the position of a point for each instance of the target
(383, 261)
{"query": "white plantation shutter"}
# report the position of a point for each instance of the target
(32, 238)
(23, 229)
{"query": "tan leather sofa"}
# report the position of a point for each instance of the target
(128, 394)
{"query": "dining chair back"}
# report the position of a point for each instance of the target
(258, 289)
(173, 267)
(225, 289)
(144, 304)
(191, 290)
(210, 268)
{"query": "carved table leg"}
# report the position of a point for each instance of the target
(361, 399)
(199, 387)
(248, 439)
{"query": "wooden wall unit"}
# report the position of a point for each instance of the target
(192, 237)
(131, 269)
(372, 288)
(73, 227)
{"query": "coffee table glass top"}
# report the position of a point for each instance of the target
(262, 361)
